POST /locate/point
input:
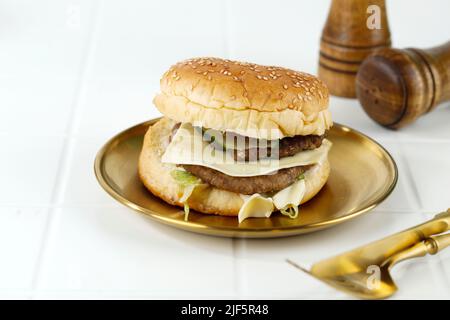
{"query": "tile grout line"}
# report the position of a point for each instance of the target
(409, 184)
(237, 270)
(235, 266)
(438, 271)
(226, 29)
(67, 151)
(235, 243)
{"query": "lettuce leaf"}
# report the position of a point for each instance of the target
(290, 211)
(186, 212)
(188, 182)
(184, 178)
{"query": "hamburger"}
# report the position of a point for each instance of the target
(237, 139)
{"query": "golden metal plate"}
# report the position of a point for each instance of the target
(362, 175)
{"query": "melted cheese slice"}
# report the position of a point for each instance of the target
(256, 206)
(260, 206)
(290, 196)
(188, 147)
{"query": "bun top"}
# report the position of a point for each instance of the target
(238, 96)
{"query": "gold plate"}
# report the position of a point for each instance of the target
(362, 175)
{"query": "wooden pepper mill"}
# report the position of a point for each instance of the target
(348, 37)
(395, 86)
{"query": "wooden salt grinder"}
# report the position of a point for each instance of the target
(395, 86)
(347, 40)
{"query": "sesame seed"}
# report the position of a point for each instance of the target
(285, 86)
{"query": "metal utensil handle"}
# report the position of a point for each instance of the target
(441, 241)
(431, 245)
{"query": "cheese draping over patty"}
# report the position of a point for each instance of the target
(189, 147)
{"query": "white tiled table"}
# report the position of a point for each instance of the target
(73, 73)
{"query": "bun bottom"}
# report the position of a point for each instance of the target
(157, 179)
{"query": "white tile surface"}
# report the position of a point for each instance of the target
(124, 74)
(428, 163)
(420, 279)
(115, 103)
(29, 169)
(441, 262)
(350, 113)
(271, 34)
(81, 187)
(445, 268)
(405, 29)
(258, 259)
(432, 126)
(21, 232)
(41, 52)
(145, 38)
(403, 198)
(75, 72)
(115, 251)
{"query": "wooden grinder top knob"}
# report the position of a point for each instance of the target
(395, 86)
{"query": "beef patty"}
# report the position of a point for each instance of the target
(286, 147)
(247, 185)
(257, 184)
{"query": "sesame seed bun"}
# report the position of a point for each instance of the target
(250, 99)
(157, 178)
